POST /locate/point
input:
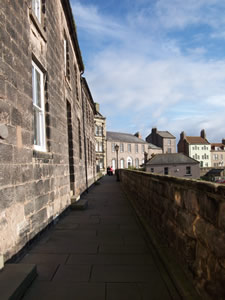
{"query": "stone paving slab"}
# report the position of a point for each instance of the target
(110, 259)
(99, 253)
(73, 273)
(66, 291)
(124, 273)
(123, 291)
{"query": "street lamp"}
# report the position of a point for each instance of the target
(117, 149)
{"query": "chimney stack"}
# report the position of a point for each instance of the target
(203, 134)
(138, 135)
(183, 135)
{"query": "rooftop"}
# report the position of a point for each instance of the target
(166, 134)
(196, 140)
(171, 158)
(123, 138)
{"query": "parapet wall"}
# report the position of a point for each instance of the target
(190, 216)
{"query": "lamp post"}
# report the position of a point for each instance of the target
(117, 149)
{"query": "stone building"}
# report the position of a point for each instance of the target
(153, 150)
(100, 141)
(131, 151)
(218, 154)
(174, 164)
(88, 126)
(46, 132)
(162, 139)
(196, 147)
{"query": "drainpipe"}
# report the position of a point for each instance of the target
(85, 146)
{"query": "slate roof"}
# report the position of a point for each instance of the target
(166, 134)
(171, 158)
(152, 146)
(123, 137)
(196, 140)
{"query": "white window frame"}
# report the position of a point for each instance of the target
(129, 148)
(100, 147)
(36, 7)
(65, 58)
(136, 148)
(143, 148)
(40, 125)
(122, 163)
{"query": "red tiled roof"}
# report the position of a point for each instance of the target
(220, 145)
(196, 140)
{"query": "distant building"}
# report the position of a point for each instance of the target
(100, 141)
(196, 147)
(174, 164)
(153, 150)
(162, 139)
(131, 152)
(218, 154)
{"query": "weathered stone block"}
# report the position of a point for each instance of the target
(41, 202)
(221, 216)
(20, 192)
(208, 207)
(6, 154)
(7, 197)
(191, 201)
(29, 208)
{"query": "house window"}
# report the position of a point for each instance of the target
(66, 58)
(101, 163)
(188, 170)
(137, 163)
(36, 7)
(152, 170)
(166, 171)
(129, 147)
(143, 148)
(113, 147)
(122, 163)
(169, 150)
(121, 147)
(169, 142)
(100, 147)
(114, 164)
(136, 148)
(96, 130)
(39, 108)
(80, 143)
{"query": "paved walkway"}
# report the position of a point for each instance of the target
(101, 253)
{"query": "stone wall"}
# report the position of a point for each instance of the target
(190, 216)
(35, 187)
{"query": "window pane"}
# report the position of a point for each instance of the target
(37, 139)
(38, 89)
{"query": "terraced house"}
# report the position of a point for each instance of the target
(131, 152)
(196, 147)
(47, 157)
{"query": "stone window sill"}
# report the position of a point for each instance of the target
(38, 25)
(45, 156)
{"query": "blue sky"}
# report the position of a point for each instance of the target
(155, 63)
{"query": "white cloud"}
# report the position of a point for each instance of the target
(146, 75)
